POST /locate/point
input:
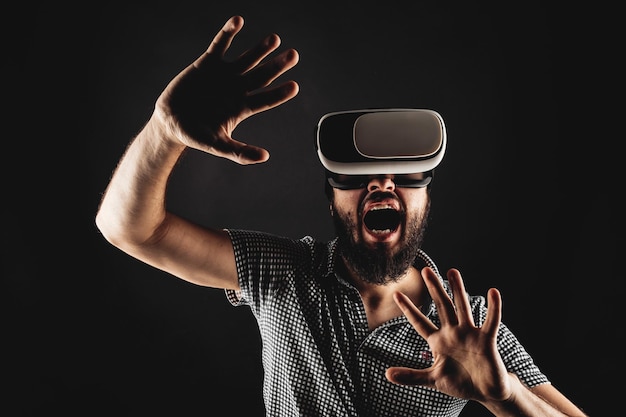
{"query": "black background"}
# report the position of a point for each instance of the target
(525, 199)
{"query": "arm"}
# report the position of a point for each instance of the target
(200, 109)
(467, 363)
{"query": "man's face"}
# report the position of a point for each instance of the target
(380, 227)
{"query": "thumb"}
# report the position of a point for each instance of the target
(249, 154)
(237, 151)
(407, 376)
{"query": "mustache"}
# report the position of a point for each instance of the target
(378, 196)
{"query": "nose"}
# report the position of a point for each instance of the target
(384, 183)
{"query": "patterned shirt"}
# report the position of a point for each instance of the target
(319, 356)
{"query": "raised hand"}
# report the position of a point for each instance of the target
(466, 360)
(202, 106)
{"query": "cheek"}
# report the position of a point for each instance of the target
(416, 202)
(346, 203)
(344, 213)
(416, 206)
(416, 197)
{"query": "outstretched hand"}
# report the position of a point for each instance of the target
(466, 360)
(202, 106)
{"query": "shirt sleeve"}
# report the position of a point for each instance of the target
(264, 262)
(517, 359)
(514, 355)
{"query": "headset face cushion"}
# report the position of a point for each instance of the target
(381, 141)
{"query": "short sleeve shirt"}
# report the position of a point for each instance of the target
(319, 356)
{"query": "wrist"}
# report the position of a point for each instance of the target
(509, 397)
(161, 128)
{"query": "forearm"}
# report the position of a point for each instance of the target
(133, 205)
(526, 402)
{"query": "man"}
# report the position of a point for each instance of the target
(361, 325)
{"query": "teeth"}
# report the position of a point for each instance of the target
(381, 231)
(382, 207)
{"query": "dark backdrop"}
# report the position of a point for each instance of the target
(525, 199)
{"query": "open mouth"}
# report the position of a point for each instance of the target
(382, 219)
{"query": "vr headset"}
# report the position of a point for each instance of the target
(380, 141)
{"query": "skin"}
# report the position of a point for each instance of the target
(200, 109)
(393, 251)
(378, 299)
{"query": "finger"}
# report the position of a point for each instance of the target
(442, 301)
(242, 153)
(251, 57)
(270, 98)
(418, 320)
(494, 312)
(222, 40)
(226, 147)
(264, 74)
(461, 301)
(408, 376)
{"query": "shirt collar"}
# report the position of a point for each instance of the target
(421, 261)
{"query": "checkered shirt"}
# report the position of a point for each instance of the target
(318, 354)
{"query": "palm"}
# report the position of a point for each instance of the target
(466, 361)
(203, 105)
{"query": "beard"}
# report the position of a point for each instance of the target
(380, 265)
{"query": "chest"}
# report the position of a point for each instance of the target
(377, 315)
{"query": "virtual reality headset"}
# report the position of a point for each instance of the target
(380, 141)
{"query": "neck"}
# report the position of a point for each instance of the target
(378, 298)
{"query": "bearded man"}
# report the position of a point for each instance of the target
(362, 325)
